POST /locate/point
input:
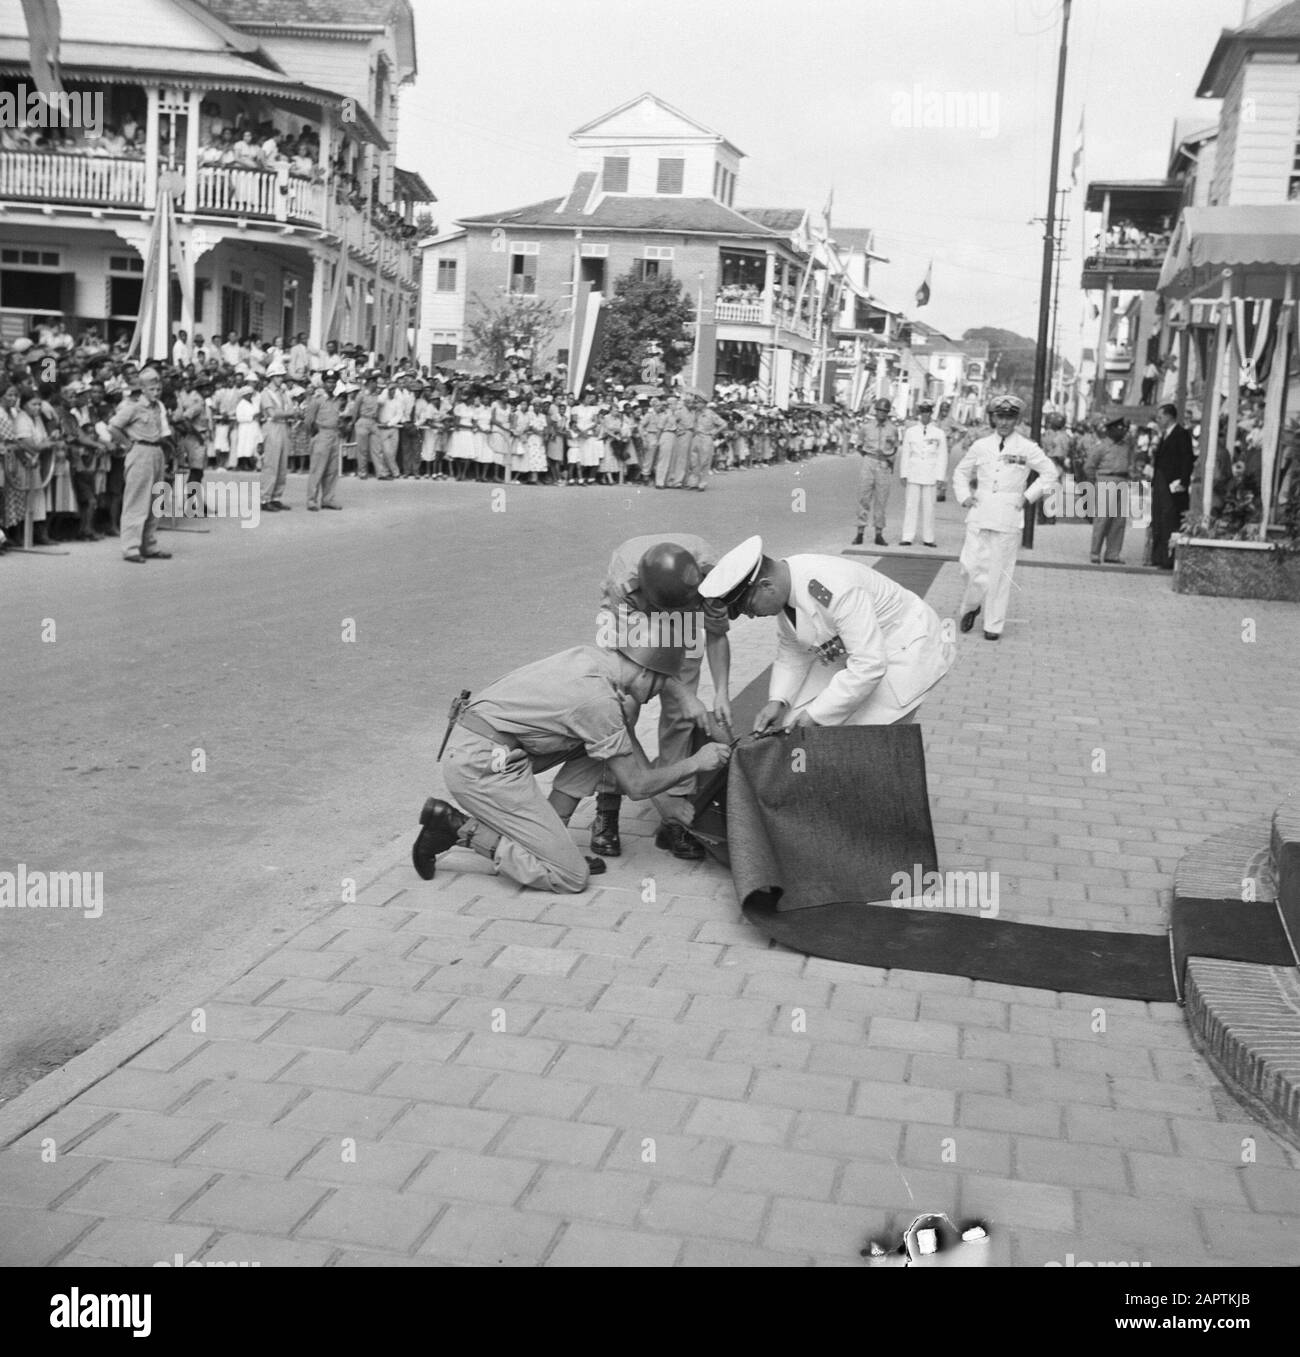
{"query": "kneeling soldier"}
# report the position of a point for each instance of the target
(572, 710)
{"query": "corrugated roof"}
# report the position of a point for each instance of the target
(704, 215)
(1276, 30)
(409, 187)
(336, 13)
(120, 64)
(785, 219)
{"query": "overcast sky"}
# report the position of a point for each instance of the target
(819, 95)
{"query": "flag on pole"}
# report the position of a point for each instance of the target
(1076, 164)
(923, 292)
(43, 29)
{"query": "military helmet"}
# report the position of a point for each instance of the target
(882, 405)
(666, 660)
(670, 577)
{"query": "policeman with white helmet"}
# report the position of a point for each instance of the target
(1001, 465)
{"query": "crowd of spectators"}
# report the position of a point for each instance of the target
(60, 463)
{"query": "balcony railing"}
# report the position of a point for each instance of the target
(62, 178)
(760, 312)
(258, 193)
(743, 313)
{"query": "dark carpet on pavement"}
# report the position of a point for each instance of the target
(816, 824)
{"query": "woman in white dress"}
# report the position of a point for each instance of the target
(534, 423)
(483, 458)
(500, 436)
(462, 447)
(424, 416)
(248, 431)
(584, 420)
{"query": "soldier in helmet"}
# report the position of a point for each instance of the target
(878, 446)
(1057, 444)
(572, 710)
(1001, 464)
(652, 585)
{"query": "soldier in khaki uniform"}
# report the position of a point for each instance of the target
(878, 446)
(572, 710)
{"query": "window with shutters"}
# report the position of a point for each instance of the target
(614, 175)
(672, 172)
(523, 273)
(446, 275)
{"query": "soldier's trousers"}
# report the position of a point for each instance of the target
(1108, 526)
(364, 435)
(699, 461)
(323, 471)
(498, 788)
(275, 459)
(988, 561)
(681, 460)
(873, 493)
(663, 456)
(145, 467)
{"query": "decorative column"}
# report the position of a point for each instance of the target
(151, 147)
(191, 198)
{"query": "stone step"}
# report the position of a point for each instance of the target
(1245, 1018)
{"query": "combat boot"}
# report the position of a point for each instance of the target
(604, 828)
(441, 823)
(857, 540)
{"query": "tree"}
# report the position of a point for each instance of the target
(647, 317)
(425, 224)
(513, 322)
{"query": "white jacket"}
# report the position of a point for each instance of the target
(924, 456)
(889, 636)
(1002, 472)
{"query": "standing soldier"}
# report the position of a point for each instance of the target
(366, 430)
(924, 462)
(277, 411)
(1001, 464)
(878, 445)
(324, 417)
(956, 435)
(140, 425)
(1110, 467)
(708, 425)
(655, 581)
(193, 421)
(1057, 445)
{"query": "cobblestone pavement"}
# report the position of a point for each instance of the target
(466, 1072)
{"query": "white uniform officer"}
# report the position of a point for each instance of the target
(853, 647)
(923, 463)
(1001, 464)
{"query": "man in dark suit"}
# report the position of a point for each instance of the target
(1171, 476)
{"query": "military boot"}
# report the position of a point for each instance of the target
(604, 828)
(857, 540)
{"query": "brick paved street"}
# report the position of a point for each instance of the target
(462, 1071)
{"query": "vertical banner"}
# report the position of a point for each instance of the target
(586, 316)
(706, 364)
(781, 378)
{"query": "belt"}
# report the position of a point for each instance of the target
(145, 443)
(878, 457)
(480, 727)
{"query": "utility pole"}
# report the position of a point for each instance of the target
(1045, 287)
(1056, 287)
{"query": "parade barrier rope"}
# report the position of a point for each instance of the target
(34, 478)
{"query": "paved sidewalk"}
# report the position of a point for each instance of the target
(466, 1072)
